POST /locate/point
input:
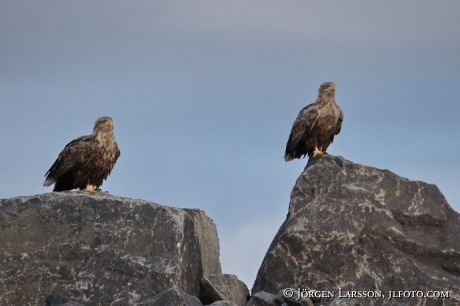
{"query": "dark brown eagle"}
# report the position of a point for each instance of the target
(85, 161)
(315, 126)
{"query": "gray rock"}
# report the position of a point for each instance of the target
(71, 303)
(355, 227)
(56, 299)
(217, 287)
(173, 297)
(306, 298)
(297, 298)
(263, 298)
(222, 303)
(100, 249)
(348, 302)
(279, 297)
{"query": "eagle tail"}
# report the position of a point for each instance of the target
(288, 157)
(52, 176)
(291, 148)
(49, 181)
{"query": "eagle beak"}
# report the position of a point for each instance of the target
(334, 88)
(111, 123)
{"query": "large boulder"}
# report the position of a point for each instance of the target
(223, 287)
(100, 249)
(359, 228)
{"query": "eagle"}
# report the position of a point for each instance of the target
(315, 126)
(86, 161)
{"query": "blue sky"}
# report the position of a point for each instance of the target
(203, 95)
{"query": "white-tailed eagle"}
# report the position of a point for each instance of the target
(86, 161)
(315, 126)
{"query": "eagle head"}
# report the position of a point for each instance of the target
(103, 124)
(327, 88)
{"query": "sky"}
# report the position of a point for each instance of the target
(203, 95)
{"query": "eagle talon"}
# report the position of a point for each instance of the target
(100, 190)
(91, 189)
(317, 152)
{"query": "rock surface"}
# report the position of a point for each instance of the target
(348, 302)
(355, 227)
(56, 299)
(222, 303)
(100, 249)
(173, 297)
(223, 287)
(263, 298)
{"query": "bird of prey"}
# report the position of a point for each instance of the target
(86, 161)
(315, 126)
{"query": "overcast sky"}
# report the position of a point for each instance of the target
(203, 95)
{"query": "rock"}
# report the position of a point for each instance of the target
(355, 227)
(222, 303)
(263, 298)
(347, 302)
(279, 297)
(217, 287)
(173, 297)
(101, 249)
(452, 265)
(56, 299)
(296, 300)
(71, 303)
(296, 297)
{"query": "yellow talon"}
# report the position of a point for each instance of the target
(90, 189)
(317, 152)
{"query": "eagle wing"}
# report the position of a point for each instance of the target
(76, 154)
(302, 126)
(338, 127)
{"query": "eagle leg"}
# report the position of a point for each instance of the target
(90, 189)
(317, 152)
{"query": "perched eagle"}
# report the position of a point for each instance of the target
(315, 126)
(85, 161)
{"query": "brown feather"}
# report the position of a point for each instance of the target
(316, 125)
(87, 160)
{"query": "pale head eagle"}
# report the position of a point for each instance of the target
(86, 161)
(315, 126)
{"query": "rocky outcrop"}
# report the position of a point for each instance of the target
(100, 249)
(223, 287)
(358, 228)
(350, 230)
